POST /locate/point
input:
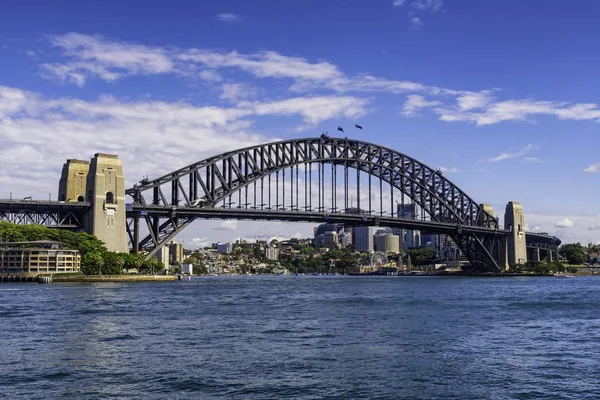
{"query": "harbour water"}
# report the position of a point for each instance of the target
(274, 337)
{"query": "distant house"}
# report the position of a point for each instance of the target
(42, 256)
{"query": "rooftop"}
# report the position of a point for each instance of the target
(33, 244)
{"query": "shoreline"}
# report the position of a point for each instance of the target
(114, 278)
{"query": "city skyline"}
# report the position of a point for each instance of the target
(468, 88)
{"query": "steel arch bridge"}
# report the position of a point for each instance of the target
(301, 180)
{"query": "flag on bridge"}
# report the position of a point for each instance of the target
(357, 126)
(340, 128)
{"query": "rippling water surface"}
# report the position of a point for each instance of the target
(303, 337)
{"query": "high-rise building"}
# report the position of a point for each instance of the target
(175, 253)
(346, 237)
(362, 237)
(430, 240)
(387, 243)
(326, 227)
(271, 253)
(224, 248)
(408, 211)
(409, 238)
(162, 255)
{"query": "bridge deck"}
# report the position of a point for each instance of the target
(306, 216)
(42, 205)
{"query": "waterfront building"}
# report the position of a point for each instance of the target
(387, 243)
(362, 238)
(271, 253)
(187, 269)
(346, 238)
(175, 253)
(224, 248)
(327, 239)
(430, 240)
(327, 227)
(162, 255)
(35, 257)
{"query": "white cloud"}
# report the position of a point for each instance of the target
(151, 137)
(227, 226)
(313, 109)
(416, 102)
(234, 92)
(420, 5)
(531, 160)
(564, 223)
(92, 55)
(415, 22)
(594, 227)
(506, 156)
(519, 110)
(369, 83)
(592, 168)
(110, 60)
(11, 101)
(448, 170)
(264, 64)
(210, 75)
(228, 17)
(199, 242)
(473, 100)
(578, 232)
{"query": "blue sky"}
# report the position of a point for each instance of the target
(501, 94)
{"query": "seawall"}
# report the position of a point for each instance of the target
(114, 278)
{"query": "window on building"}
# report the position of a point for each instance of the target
(80, 198)
(110, 198)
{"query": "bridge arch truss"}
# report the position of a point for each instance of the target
(313, 176)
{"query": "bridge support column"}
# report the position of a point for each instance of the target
(503, 253)
(106, 190)
(514, 220)
(73, 181)
(534, 254)
(136, 234)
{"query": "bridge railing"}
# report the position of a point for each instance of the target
(43, 202)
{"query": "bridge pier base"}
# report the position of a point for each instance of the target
(534, 255)
(101, 183)
(514, 221)
(503, 253)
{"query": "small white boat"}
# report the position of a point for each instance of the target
(563, 275)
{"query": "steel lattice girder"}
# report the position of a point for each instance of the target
(439, 197)
(48, 218)
(216, 178)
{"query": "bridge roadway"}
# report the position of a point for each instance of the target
(70, 215)
(54, 214)
(308, 216)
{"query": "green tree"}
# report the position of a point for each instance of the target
(11, 233)
(422, 255)
(92, 263)
(575, 253)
